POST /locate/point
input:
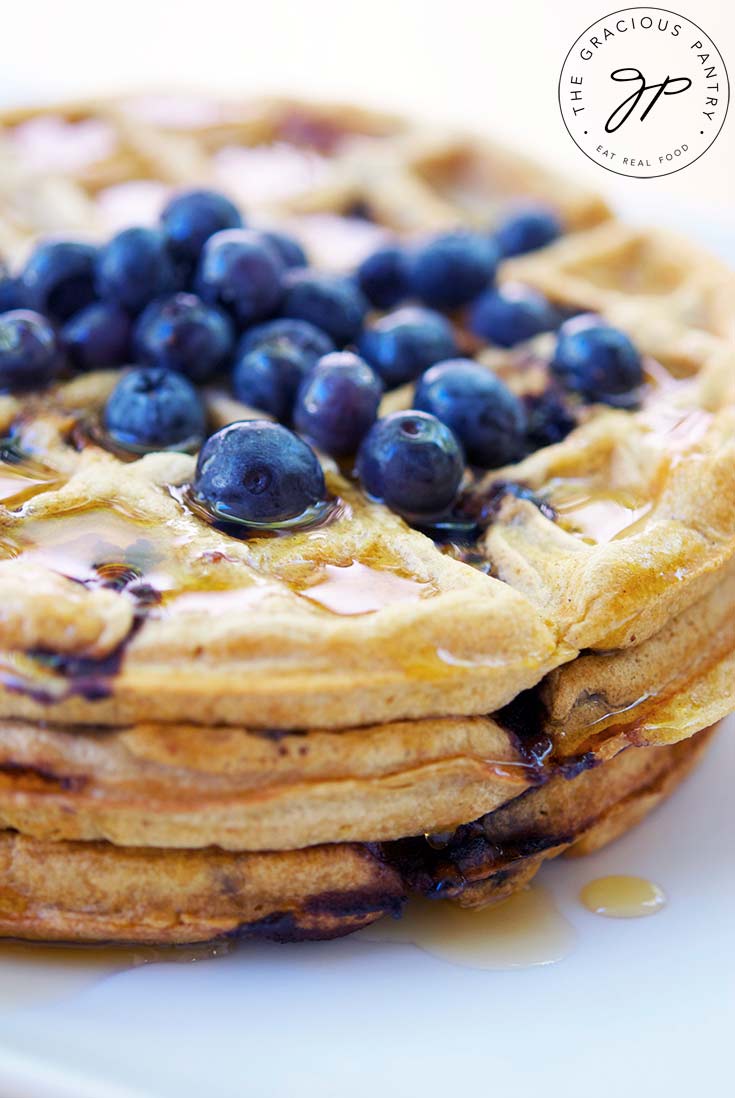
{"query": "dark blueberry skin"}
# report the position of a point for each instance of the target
(412, 462)
(487, 418)
(268, 377)
(452, 269)
(182, 333)
(134, 267)
(548, 420)
(285, 332)
(241, 272)
(384, 277)
(511, 314)
(402, 344)
(338, 403)
(30, 356)
(152, 409)
(259, 472)
(525, 230)
(329, 301)
(12, 294)
(98, 337)
(189, 220)
(598, 362)
(58, 279)
(289, 250)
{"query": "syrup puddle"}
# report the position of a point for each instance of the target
(600, 516)
(32, 975)
(356, 589)
(523, 931)
(623, 897)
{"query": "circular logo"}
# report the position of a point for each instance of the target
(644, 92)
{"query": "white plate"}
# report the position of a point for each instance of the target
(643, 1006)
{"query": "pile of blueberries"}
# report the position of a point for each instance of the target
(200, 294)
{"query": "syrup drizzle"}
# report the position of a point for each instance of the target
(623, 897)
(521, 932)
(357, 589)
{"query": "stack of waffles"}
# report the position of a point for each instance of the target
(203, 735)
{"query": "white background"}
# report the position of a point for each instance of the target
(493, 66)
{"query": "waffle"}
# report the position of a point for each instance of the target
(252, 736)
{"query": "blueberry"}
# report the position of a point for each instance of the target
(598, 362)
(268, 377)
(30, 356)
(338, 403)
(453, 268)
(402, 344)
(289, 250)
(191, 218)
(12, 294)
(548, 419)
(487, 418)
(286, 332)
(384, 277)
(58, 279)
(97, 337)
(331, 302)
(182, 333)
(134, 267)
(511, 314)
(525, 230)
(153, 409)
(258, 472)
(412, 462)
(241, 272)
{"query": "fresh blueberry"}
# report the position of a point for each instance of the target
(182, 333)
(134, 267)
(97, 337)
(12, 295)
(258, 472)
(58, 279)
(402, 344)
(525, 230)
(29, 351)
(511, 314)
(338, 403)
(329, 301)
(548, 419)
(191, 218)
(453, 268)
(289, 250)
(487, 418)
(153, 409)
(268, 377)
(598, 362)
(412, 462)
(285, 332)
(384, 277)
(241, 272)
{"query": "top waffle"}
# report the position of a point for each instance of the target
(122, 605)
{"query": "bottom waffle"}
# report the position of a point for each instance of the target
(77, 891)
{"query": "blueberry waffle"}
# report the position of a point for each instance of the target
(367, 519)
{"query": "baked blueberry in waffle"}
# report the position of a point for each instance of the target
(367, 507)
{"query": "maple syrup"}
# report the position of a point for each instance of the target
(79, 543)
(600, 516)
(623, 897)
(21, 477)
(32, 974)
(357, 589)
(523, 931)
